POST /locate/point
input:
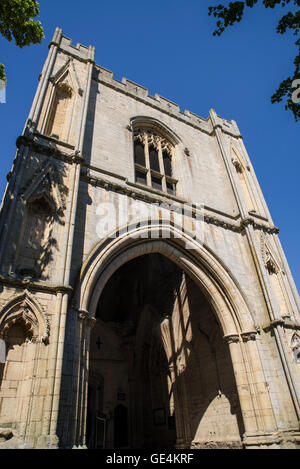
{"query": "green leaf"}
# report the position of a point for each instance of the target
(2, 73)
(17, 21)
(228, 16)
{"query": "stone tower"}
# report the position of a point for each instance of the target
(145, 298)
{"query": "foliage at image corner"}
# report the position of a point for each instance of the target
(290, 21)
(18, 21)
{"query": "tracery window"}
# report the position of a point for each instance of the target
(153, 161)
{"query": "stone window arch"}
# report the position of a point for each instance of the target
(153, 155)
(57, 122)
(12, 371)
(23, 327)
(24, 308)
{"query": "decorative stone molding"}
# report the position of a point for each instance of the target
(271, 265)
(269, 257)
(246, 336)
(84, 316)
(236, 163)
(64, 90)
(232, 338)
(258, 226)
(46, 181)
(48, 146)
(295, 346)
(273, 324)
(147, 195)
(68, 67)
(276, 440)
(237, 159)
(285, 322)
(30, 285)
(152, 138)
(155, 127)
(24, 307)
(28, 319)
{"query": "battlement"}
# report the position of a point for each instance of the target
(139, 92)
(65, 44)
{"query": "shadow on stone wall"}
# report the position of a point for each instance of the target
(201, 397)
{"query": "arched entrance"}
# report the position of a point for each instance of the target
(167, 374)
(226, 304)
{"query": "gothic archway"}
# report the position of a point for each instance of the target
(220, 290)
(23, 327)
(168, 378)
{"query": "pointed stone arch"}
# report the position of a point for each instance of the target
(147, 122)
(61, 102)
(217, 285)
(24, 307)
(210, 275)
(68, 67)
(25, 330)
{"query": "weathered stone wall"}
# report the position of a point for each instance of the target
(89, 161)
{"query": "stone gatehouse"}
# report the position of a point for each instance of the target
(145, 299)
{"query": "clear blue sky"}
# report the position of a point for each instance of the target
(168, 47)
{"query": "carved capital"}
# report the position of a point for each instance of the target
(232, 338)
(273, 324)
(250, 335)
(84, 316)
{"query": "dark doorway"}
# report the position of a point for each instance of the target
(167, 372)
(96, 421)
(121, 427)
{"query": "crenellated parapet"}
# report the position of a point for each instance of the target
(141, 93)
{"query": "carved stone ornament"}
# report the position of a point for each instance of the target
(246, 336)
(24, 309)
(64, 90)
(238, 166)
(47, 180)
(270, 264)
(152, 138)
(232, 338)
(84, 316)
(68, 71)
(295, 346)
